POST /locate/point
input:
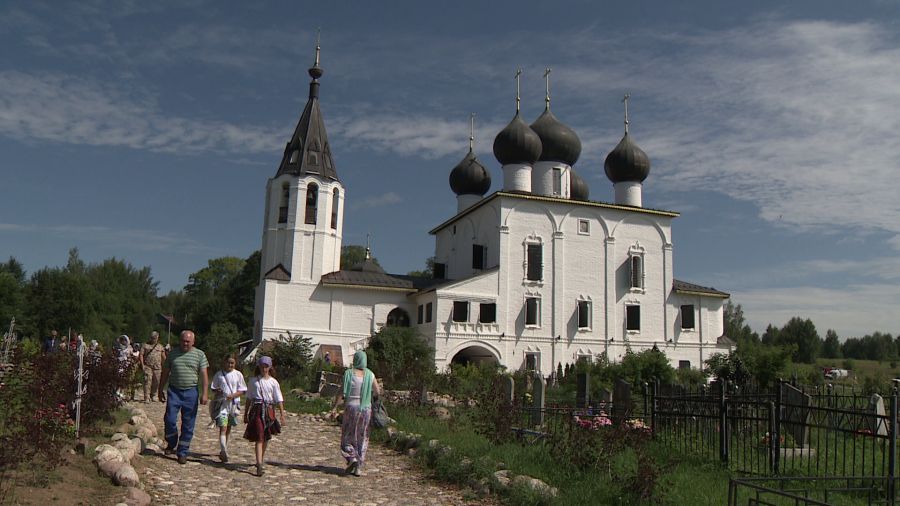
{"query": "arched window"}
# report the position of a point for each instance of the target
(285, 204)
(312, 200)
(397, 318)
(335, 197)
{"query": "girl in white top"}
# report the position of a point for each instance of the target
(228, 386)
(264, 393)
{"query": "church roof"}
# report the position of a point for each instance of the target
(378, 280)
(691, 289)
(531, 196)
(308, 151)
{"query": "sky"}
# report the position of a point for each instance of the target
(146, 131)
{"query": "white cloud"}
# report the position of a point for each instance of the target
(852, 311)
(385, 199)
(130, 239)
(68, 109)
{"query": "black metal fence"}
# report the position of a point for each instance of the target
(808, 438)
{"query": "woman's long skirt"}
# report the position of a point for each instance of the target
(355, 434)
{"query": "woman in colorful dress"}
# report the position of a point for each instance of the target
(359, 384)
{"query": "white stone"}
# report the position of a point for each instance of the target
(126, 476)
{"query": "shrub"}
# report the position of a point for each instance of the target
(292, 357)
(466, 381)
(400, 357)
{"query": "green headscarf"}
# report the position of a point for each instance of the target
(365, 392)
(360, 360)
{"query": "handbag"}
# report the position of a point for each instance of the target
(380, 418)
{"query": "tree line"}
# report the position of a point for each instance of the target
(106, 299)
(799, 340)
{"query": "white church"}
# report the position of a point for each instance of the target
(532, 275)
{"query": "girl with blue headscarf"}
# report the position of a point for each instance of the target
(359, 383)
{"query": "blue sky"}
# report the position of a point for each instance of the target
(147, 130)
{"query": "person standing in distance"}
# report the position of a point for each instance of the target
(183, 369)
(152, 357)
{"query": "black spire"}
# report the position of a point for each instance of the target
(308, 151)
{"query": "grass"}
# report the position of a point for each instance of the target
(682, 480)
(312, 406)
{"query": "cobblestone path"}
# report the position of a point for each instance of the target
(303, 466)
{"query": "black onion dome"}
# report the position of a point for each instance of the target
(517, 143)
(579, 189)
(469, 177)
(559, 143)
(627, 162)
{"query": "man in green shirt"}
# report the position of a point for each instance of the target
(183, 369)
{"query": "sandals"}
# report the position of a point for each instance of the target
(259, 470)
(352, 468)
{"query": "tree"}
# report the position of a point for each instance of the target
(735, 326)
(401, 357)
(428, 272)
(831, 348)
(220, 341)
(12, 291)
(802, 334)
(206, 300)
(648, 365)
(352, 254)
(56, 300)
(241, 294)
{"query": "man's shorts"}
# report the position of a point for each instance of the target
(226, 421)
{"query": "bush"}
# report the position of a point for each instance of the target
(466, 381)
(401, 358)
(292, 358)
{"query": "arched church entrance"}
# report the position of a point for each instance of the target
(474, 355)
(397, 318)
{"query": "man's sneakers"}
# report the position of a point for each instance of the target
(169, 451)
(223, 456)
(182, 459)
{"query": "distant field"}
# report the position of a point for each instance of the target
(863, 368)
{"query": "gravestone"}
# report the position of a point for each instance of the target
(621, 405)
(329, 384)
(604, 395)
(538, 389)
(878, 423)
(508, 390)
(582, 389)
(795, 414)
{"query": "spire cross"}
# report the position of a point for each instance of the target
(625, 101)
(518, 99)
(318, 47)
(472, 132)
(547, 79)
(368, 249)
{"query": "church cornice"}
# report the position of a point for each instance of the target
(558, 200)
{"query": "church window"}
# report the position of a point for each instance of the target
(532, 311)
(532, 361)
(313, 158)
(557, 181)
(684, 364)
(397, 318)
(487, 313)
(479, 252)
(285, 203)
(535, 268)
(584, 314)
(428, 309)
(637, 271)
(687, 317)
(312, 200)
(440, 270)
(294, 156)
(633, 318)
(419, 316)
(335, 198)
(584, 227)
(460, 311)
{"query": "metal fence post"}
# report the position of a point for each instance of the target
(776, 432)
(892, 451)
(723, 423)
(772, 448)
(653, 393)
